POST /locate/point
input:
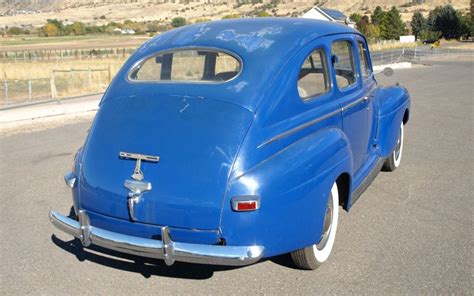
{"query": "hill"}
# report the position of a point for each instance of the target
(35, 12)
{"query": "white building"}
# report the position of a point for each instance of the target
(327, 14)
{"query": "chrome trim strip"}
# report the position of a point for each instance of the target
(353, 104)
(167, 249)
(313, 122)
(299, 128)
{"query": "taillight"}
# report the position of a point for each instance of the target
(245, 203)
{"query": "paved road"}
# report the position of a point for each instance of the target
(411, 232)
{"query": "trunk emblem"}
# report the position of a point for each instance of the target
(136, 186)
(137, 172)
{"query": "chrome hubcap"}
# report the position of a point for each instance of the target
(327, 224)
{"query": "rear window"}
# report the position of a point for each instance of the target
(192, 65)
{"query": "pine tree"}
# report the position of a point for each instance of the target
(377, 16)
(392, 26)
(418, 24)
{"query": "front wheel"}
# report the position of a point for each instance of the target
(313, 256)
(395, 158)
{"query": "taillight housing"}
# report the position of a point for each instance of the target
(245, 203)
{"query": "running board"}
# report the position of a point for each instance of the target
(367, 181)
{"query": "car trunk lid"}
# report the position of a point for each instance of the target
(196, 141)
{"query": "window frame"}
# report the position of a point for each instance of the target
(327, 74)
(143, 60)
(365, 53)
(354, 65)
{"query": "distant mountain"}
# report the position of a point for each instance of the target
(35, 12)
(354, 5)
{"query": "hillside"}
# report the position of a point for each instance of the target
(35, 12)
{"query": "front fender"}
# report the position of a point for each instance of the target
(393, 102)
(293, 185)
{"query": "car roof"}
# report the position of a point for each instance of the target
(263, 44)
(247, 35)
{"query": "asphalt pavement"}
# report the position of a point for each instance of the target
(410, 232)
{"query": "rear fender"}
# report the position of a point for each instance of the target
(393, 102)
(293, 185)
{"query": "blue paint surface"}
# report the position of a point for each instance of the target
(252, 135)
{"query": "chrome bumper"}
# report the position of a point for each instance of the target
(166, 249)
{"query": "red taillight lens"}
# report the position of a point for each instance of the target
(245, 203)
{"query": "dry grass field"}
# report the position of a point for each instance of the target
(29, 43)
(21, 70)
(33, 80)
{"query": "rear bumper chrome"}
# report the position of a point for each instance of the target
(165, 249)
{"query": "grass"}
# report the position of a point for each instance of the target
(32, 42)
(21, 70)
(379, 46)
(67, 84)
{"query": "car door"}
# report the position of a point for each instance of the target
(368, 86)
(356, 106)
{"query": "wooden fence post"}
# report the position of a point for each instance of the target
(29, 90)
(6, 91)
(54, 93)
(90, 77)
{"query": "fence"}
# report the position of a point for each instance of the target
(77, 82)
(51, 54)
(416, 54)
(61, 84)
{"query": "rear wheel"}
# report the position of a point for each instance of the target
(313, 256)
(395, 158)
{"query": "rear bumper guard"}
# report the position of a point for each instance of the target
(165, 249)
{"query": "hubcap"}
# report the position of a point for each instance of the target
(327, 224)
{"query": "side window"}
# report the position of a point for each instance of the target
(313, 78)
(364, 60)
(343, 63)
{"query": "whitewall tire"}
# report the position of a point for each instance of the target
(313, 256)
(395, 158)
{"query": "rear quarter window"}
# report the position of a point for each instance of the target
(188, 65)
(313, 78)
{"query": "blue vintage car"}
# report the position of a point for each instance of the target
(232, 141)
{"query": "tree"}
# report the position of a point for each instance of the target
(418, 24)
(372, 31)
(377, 16)
(50, 30)
(178, 22)
(428, 34)
(15, 31)
(58, 24)
(355, 17)
(231, 16)
(467, 26)
(78, 28)
(446, 20)
(263, 14)
(392, 26)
